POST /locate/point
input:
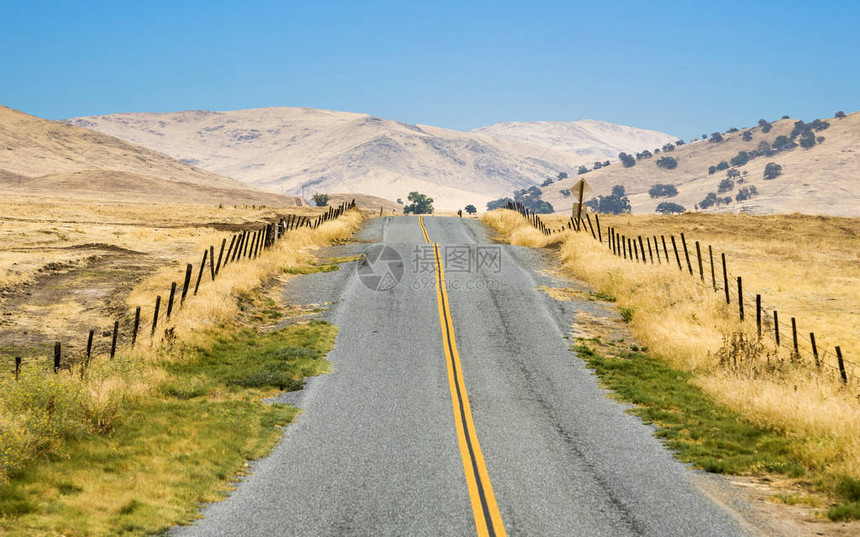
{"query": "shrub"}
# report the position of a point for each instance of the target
(546, 183)
(840, 114)
(679, 142)
(667, 207)
(763, 147)
(320, 200)
(807, 140)
(731, 130)
(765, 126)
(562, 176)
(643, 154)
(565, 192)
(712, 170)
(662, 191)
(668, 147)
(530, 199)
(772, 170)
(716, 137)
(471, 209)
(667, 162)
(722, 166)
(582, 170)
(732, 173)
(747, 136)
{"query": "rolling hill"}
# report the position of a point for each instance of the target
(301, 149)
(820, 180)
(45, 157)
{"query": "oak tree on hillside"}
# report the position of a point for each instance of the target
(421, 204)
(627, 160)
(471, 209)
(615, 203)
(772, 170)
(667, 207)
(840, 114)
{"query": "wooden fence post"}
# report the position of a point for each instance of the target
(713, 274)
(136, 326)
(758, 315)
(170, 299)
(686, 254)
(220, 255)
(665, 250)
(90, 345)
(699, 255)
(186, 282)
(677, 257)
(593, 236)
(841, 365)
(599, 234)
(726, 279)
(657, 249)
(200, 273)
(740, 299)
(776, 327)
(642, 248)
(650, 251)
(113, 339)
(212, 261)
(57, 353)
(155, 315)
(17, 367)
(794, 336)
(814, 349)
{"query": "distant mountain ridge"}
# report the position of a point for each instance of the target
(588, 138)
(303, 150)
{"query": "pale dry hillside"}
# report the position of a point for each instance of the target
(819, 180)
(302, 150)
(589, 139)
(46, 158)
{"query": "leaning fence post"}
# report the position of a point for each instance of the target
(220, 255)
(593, 236)
(713, 274)
(699, 255)
(677, 257)
(229, 250)
(642, 248)
(200, 274)
(599, 234)
(665, 250)
(740, 299)
(57, 353)
(113, 339)
(90, 345)
(17, 367)
(136, 326)
(726, 279)
(814, 349)
(650, 252)
(686, 254)
(841, 365)
(170, 299)
(212, 261)
(186, 282)
(155, 315)
(657, 249)
(635, 250)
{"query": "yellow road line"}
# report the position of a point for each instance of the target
(423, 229)
(488, 519)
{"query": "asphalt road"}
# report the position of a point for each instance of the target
(405, 438)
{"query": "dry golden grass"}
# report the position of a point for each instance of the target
(805, 266)
(69, 404)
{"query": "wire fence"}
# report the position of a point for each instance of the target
(245, 245)
(713, 270)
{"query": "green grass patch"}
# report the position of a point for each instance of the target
(312, 269)
(691, 424)
(173, 450)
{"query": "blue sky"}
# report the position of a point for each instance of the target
(686, 68)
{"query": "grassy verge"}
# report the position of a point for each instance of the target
(136, 444)
(175, 449)
(689, 329)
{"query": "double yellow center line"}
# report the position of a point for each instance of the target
(488, 520)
